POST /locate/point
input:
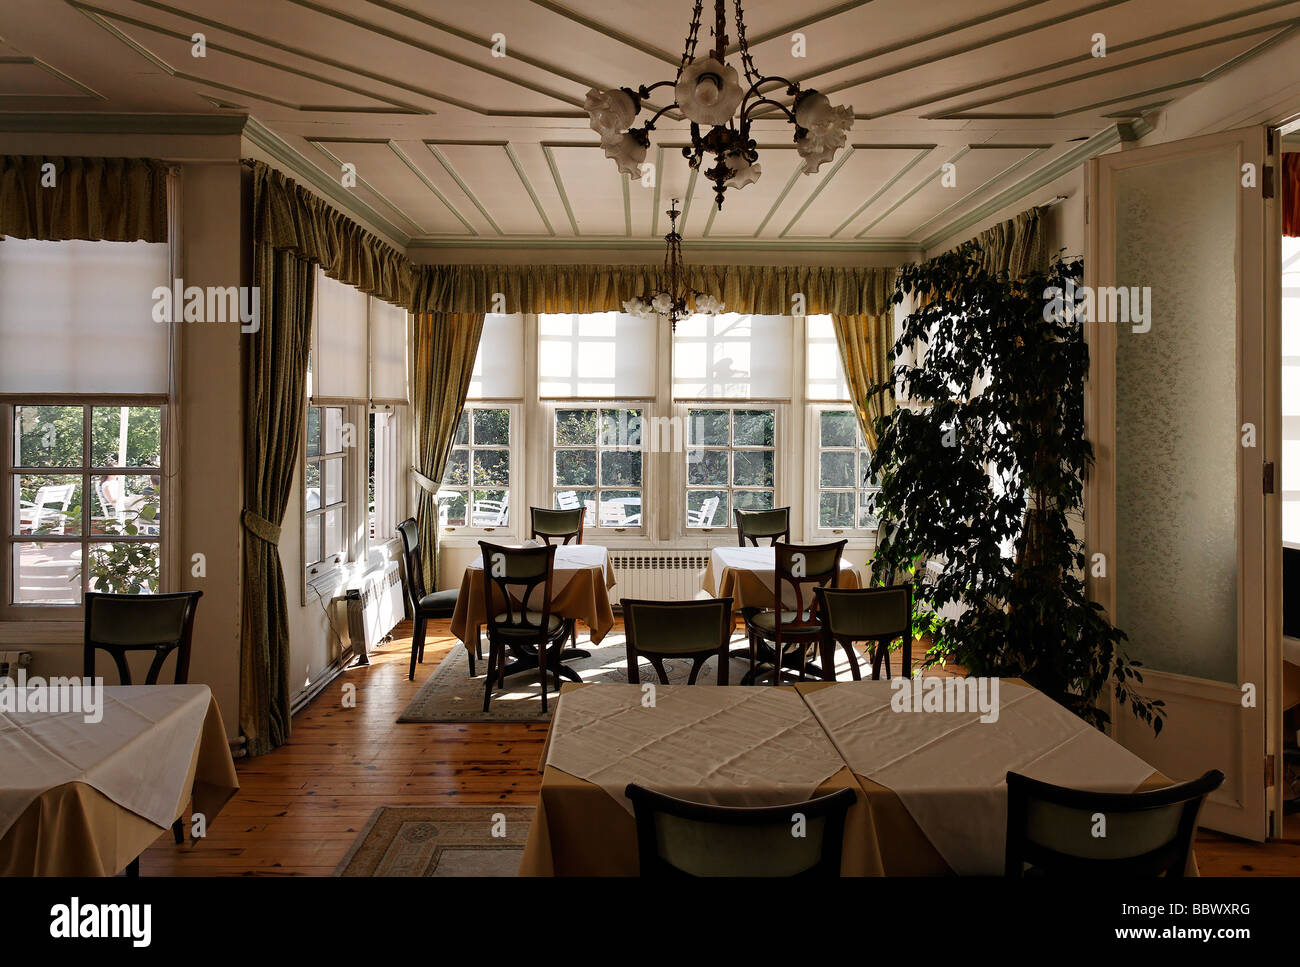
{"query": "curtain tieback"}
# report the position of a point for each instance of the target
(428, 483)
(261, 527)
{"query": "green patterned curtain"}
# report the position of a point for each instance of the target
(864, 343)
(93, 199)
(1017, 246)
(445, 347)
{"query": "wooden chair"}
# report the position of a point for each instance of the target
(676, 838)
(426, 605)
(677, 629)
(1052, 828)
(563, 525)
(526, 627)
(850, 615)
(158, 623)
(756, 525)
(800, 566)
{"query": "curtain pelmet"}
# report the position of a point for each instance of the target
(91, 199)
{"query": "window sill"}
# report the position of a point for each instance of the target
(25, 631)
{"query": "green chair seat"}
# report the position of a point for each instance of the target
(766, 621)
(526, 624)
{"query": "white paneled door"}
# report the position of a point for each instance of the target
(1184, 414)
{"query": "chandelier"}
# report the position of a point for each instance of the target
(670, 302)
(709, 92)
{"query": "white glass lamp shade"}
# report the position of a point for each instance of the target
(638, 307)
(611, 112)
(709, 92)
(742, 171)
(662, 303)
(827, 125)
(628, 153)
(709, 305)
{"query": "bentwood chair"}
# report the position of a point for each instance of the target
(676, 838)
(157, 623)
(561, 525)
(426, 605)
(795, 624)
(1053, 828)
(526, 628)
(756, 525)
(697, 630)
(878, 615)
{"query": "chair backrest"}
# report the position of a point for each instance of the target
(704, 516)
(515, 572)
(867, 613)
(120, 623)
(649, 625)
(753, 525)
(1055, 829)
(410, 535)
(679, 838)
(564, 525)
(47, 496)
(804, 567)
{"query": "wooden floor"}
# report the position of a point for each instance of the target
(299, 808)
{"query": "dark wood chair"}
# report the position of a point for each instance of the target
(526, 628)
(801, 567)
(561, 525)
(426, 605)
(676, 838)
(1051, 828)
(158, 623)
(756, 525)
(878, 615)
(698, 630)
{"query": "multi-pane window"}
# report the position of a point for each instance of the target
(475, 489)
(86, 490)
(843, 490)
(325, 494)
(730, 462)
(598, 464)
(384, 475)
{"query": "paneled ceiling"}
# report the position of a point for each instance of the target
(456, 147)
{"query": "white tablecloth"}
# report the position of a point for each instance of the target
(761, 562)
(949, 768)
(728, 746)
(569, 559)
(138, 755)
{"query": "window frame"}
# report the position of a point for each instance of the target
(397, 492)
(86, 471)
(514, 487)
(682, 487)
(813, 484)
(551, 488)
(313, 571)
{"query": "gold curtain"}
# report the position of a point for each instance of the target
(762, 289)
(1017, 246)
(864, 343)
(445, 347)
(93, 199)
(1290, 193)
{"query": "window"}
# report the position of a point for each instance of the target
(85, 482)
(385, 509)
(475, 491)
(843, 494)
(730, 462)
(325, 487)
(597, 464)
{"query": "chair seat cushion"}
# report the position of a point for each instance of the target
(766, 621)
(439, 603)
(506, 627)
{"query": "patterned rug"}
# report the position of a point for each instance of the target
(450, 695)
(440, 841)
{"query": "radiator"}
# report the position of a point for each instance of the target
(11, 661)
(657, 575)
(375, 605)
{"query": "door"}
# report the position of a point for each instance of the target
(1176, 409)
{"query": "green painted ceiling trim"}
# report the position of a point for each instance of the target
(455, 176)
(559, 186)
(528, 186)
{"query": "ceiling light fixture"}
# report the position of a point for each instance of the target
(710, 94)
(670, 301)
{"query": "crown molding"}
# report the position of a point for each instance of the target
(656, 246)
(79, 122)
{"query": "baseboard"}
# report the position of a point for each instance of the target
(331, 671)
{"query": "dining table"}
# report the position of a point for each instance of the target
(930, 789)
(85, 794)
(580, 581)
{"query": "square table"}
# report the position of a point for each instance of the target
(85, 798)
(747, 575)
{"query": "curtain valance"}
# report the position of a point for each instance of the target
(1017, 246)
(288, 217)
(762, 289)
(87, 199)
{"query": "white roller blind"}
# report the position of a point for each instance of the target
(825, 370)
(733, 356)
(77, 317)
(388, 330)
(596, 355)
(499, 365)
(339, 368)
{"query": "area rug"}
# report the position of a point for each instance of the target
(450, 695)
(439, 841)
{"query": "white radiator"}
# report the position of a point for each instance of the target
(375, 605)
(657, 575)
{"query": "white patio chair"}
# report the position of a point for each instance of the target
(704, 516)
(492, 513)
(33, 514)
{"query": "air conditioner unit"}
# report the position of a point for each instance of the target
(657, 575)
(375, 605)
